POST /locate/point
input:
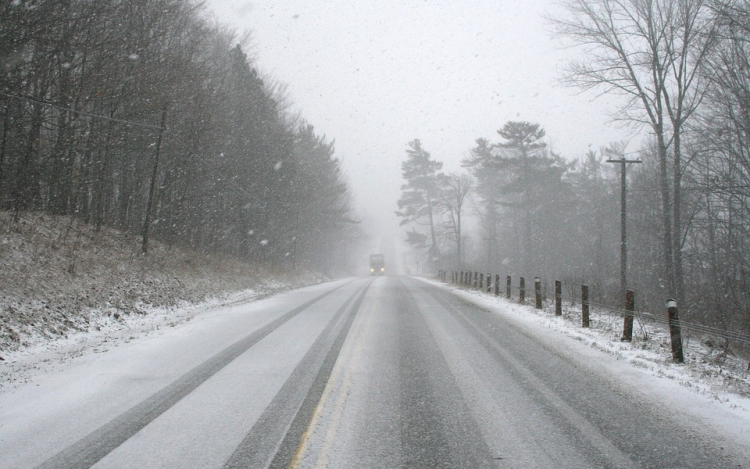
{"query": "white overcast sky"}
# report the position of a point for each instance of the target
(374, 75)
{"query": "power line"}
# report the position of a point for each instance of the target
(82, 113)
(732, 335)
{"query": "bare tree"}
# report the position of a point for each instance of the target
(456, 189)
(82, 90)
(722, 172)
(651, 52)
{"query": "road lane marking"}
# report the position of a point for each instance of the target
(90, 449)
(341, 364)
(303, 409)
(343, 393)
(595, 437)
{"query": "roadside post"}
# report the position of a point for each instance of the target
(627, 327)
(675, 332)
(584, 306)
(507, 287)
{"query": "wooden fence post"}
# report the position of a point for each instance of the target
(538, 292)
(584, 306)
(522, 291)
(476, 279)
(489, 282)
(558, 298)
(675, 332)
(497, 284)
(507, 287)
(627, 327)
(481, 281)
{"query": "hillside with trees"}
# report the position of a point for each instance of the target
(141, 125)
(147, 117)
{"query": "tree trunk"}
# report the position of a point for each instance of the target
(666, 213)
(23, 193)
(3, 142)
(679, 282)
(434, 248)
(458, 235)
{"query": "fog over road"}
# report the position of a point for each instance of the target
(377, 372)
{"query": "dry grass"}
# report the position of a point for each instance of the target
(59, 275)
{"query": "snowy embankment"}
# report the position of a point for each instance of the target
(712, 386)
(66, 288)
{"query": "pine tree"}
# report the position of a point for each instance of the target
(421, 192)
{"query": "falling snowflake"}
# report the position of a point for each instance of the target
(277, 166)
(264, 242)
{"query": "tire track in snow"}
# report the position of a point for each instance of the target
(276, 435)
(96, 445)
(606, 424)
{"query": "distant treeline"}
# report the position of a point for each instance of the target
(102, 101)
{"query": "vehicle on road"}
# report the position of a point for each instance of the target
(377, 264)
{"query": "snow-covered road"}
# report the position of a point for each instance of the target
(371, 372)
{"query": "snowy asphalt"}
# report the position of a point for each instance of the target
(381, 372)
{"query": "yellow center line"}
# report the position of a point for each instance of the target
(343, 394)
(341, 363)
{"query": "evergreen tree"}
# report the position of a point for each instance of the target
(420, 194)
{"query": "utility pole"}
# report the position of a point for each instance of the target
(623, 222)
(154, 175)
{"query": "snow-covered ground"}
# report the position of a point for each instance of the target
(67, 289)
(711, 388)
(41, 354)
(699, 391)
(81, 387)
